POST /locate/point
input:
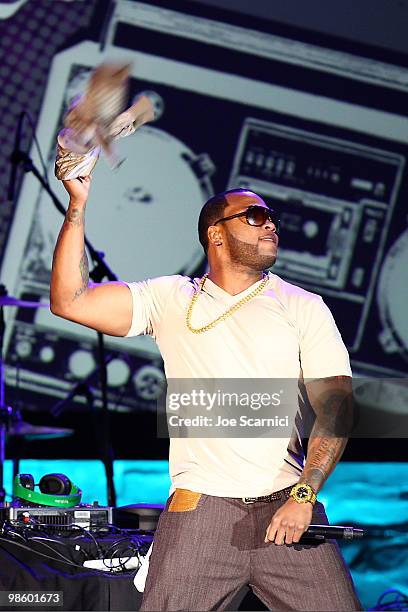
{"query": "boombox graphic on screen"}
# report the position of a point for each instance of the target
(336, 200)
(332, 168)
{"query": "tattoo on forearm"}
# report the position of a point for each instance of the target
(75, 216)
(328, 438)
(314, 476)
(84, 270)
(322, 457)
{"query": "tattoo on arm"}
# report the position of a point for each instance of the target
(328, 438)
(84, 270)
(75, 216)
(322, 457)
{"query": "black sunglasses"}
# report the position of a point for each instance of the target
(257, 216)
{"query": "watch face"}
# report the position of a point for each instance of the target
(302, 492)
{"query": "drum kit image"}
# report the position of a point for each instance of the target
(12, 425)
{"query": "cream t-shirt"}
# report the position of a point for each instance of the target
(282, 333)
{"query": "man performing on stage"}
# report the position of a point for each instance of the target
(238, 505)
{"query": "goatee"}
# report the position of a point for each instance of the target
(246, 254)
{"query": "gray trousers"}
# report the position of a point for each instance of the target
(206, 549)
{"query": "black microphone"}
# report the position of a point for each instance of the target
(15, 159)
(333, 532)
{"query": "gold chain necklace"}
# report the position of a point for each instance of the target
(227, 313)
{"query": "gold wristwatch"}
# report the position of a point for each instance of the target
(303, 493)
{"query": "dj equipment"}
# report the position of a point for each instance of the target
(55, 490)
(114, 563)
(58, 520)
(138, 516)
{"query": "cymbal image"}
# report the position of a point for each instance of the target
(25, 430)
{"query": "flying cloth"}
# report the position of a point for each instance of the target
(97, 118)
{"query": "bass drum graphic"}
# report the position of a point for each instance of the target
(144, 215)
(383, 400)
(392, 297)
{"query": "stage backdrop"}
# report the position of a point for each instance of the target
(314, 125)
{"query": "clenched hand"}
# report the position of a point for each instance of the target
(78, 188)
(289, 522)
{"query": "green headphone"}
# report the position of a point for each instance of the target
(56, 490)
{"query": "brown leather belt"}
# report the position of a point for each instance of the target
(277, 495)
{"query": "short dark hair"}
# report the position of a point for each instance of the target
(213, 210)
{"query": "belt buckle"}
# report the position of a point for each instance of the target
(245, 500)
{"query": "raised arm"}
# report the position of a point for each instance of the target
(105, 307)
